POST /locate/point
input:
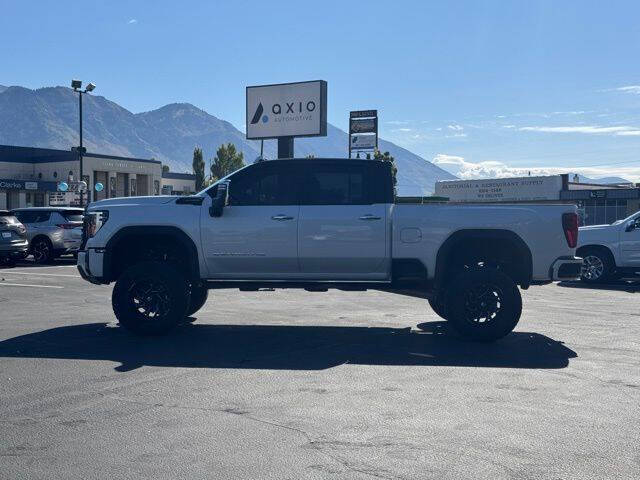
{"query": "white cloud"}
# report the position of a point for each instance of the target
(630, 89)
(455, 128)
(402, 130)
(586, 129)
(132, 21)
(396, 122)
(492, 169)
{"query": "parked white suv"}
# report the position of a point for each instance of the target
(610, 251)
(318, 224)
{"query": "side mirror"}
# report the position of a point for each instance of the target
(220, 201)
(632, 225)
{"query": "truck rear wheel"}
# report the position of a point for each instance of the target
(150, 298)
(483, 305)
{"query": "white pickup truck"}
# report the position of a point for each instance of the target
(610, 251)
(318, 224)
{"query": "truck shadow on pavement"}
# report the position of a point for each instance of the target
(288, 347)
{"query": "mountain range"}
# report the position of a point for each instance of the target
(48, 118)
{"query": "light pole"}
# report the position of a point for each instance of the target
(77, 87)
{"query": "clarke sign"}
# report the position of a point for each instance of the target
(287, 110)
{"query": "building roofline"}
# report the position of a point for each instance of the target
(178, 176)
(50, 155)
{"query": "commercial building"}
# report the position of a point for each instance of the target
(178, 183)
(597, 204)
(30, 176)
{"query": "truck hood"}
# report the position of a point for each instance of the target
(601, 234)
(132, 201)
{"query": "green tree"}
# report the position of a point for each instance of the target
(226, 161)
(387, 157)
(198, 168)
(165, 168)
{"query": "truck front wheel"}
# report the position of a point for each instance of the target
(150, 298)
(198, 298)
(483, 305)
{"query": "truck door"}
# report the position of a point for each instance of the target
(256, 236)
(630, 244)
(342, 233)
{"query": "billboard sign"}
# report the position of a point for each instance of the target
(363, 121)
(363, 125)
(287, 110)
(363, 142)
(523, 189)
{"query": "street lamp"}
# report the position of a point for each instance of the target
(77, 87)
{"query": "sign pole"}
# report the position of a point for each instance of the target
(285, 147)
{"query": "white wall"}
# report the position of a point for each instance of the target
(180, 185)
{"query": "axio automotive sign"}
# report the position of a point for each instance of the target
(523, 189)
(287, 110)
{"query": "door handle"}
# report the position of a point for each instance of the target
(281, 217)
(369, 217)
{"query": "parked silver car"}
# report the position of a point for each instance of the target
(13, 239)
(52, 231)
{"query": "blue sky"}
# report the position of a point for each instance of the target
(482, 88)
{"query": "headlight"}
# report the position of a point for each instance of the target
(93, 221)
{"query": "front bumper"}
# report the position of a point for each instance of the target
(565, 268)
(90, 266)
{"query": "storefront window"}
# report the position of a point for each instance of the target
(601, 211)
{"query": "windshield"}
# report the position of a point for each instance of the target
(7, 219)
(628, 219)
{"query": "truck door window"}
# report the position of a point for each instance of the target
(264, 185)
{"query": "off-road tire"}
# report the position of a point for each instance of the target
(438, 306)
(199, 297)
(483, 305)
(149, 288)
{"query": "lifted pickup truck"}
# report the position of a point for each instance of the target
(318, 224)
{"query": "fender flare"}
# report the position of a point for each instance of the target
(175, 233)
(446, 250)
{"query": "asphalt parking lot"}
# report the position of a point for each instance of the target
(292, 385)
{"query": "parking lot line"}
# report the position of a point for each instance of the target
(5, 284)
(41, 274)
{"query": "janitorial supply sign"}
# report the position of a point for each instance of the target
(523, 189)
(287, 110)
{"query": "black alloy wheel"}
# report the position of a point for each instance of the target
(483, 304)
(42, 251)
